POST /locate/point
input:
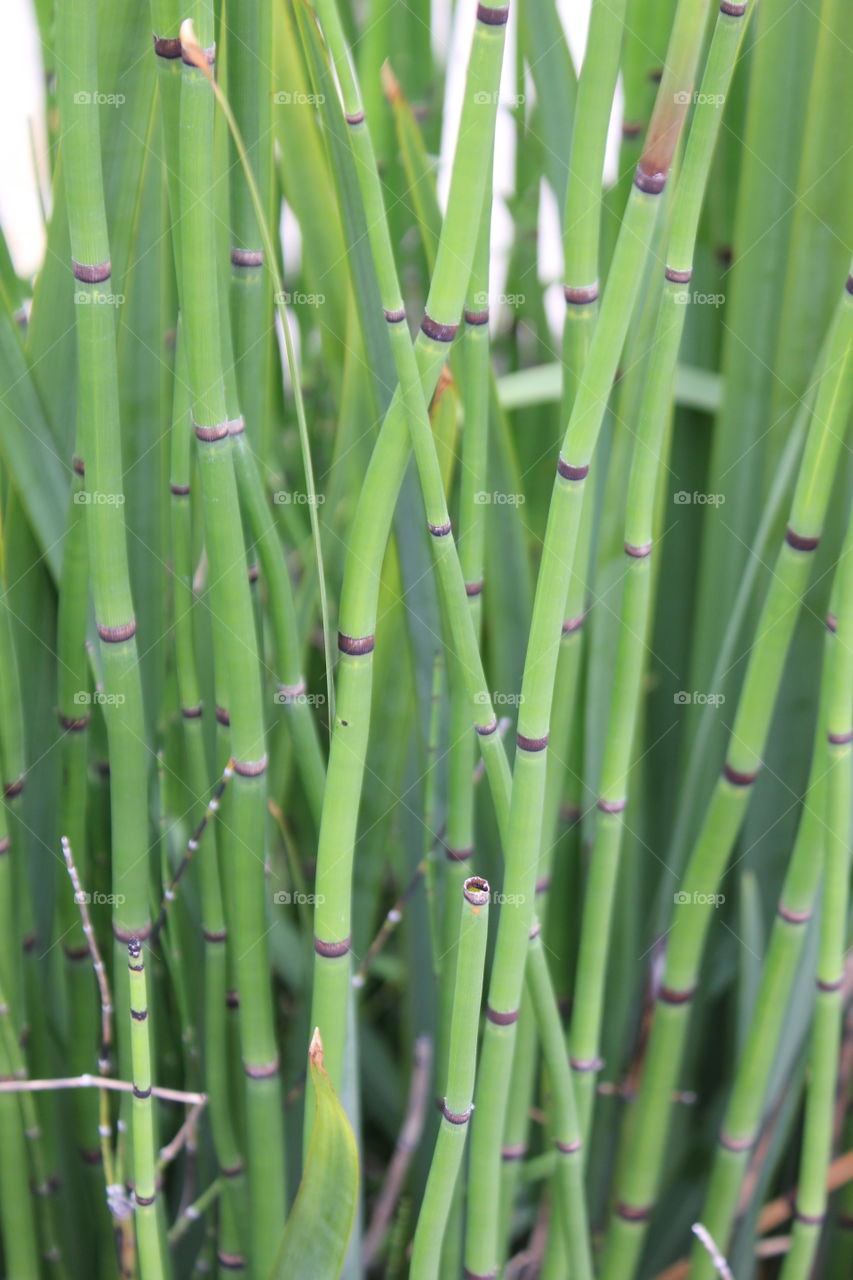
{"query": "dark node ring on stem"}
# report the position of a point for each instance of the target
(27, 945)
(849, 285)
(355, 646)
(612, 806)
(395, 317)
(535, 930)
(223, 717)
(543, 884)
(440, 530)
(473, 589)
(476, 891)
(144, 1202)
(262, 1070)
(232, 999)
(458, 855)
(801, 541)
(810, 1219)
(4, 848)
(477, 317)
(134, 953)
(290, 692)
(73, 724)
(737, 777)
(492, 17)
(831, 622)
(845, 1221)
(455, 1117)
(501, 1019)
(568, 472)
(485, 730)
(633, 1213)
(793, 917)
(192, 713)
(737, 1144)
(142, 1094)
(232, 1170)
(531, 744)
(570, 814)
(632, 129)
(829, 987)
(214, 935)
(247, 257)
(131, 936)
(568, 1148)
(580, 295)
(236, 426)
(209, 54)
(677, 277)
(638, 552)
(250, 768)
(583, 1065)
(254, 573)
(179, 490)
(139, 1015)
(651, 184)
(354, 117)
(210, 435)
(332, 950)
(478, 1275)
(732, 10)
(167, 46)
(438, 332)
(89, 1155)
(75, 954)
(77, 465)
(669, 996)
(118, 634)
(515, 1152)
(571, 625)
(656, 75)
(230, 1261)
(840, 739)
(91, 272)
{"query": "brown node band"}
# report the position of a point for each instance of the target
(357, 117)
(476, 891)
(849, 285)
(395, 317)
(167, 46)
(799, 541)
(568, 1148)
(455, 1117)
(535, 930)
(840, 739)
(89, 1155)
(214, 935)
(232, 1170)
(223, 717)
(254, 573)
(209, 54)
(830, 987)
(4, 848)
(633, 1213)
(736, 1144)
(141, 1093)
(179, 490)
(732, 10)
(632, 128)
(131, 935)
(232, 999)
(290, 692)
(473, 589)
(230, 1261)
(73, 724)
(516, 1152)
(192, 713)
(438, 332)
(458, 855)
(571, 625)
(569, 472)
(77, 465)
(73, 954)
(477, 317)
(485, 730)
(580, 295)
(810, 1219)
(247, 257)
(677, 277)
(91, 272)
(210, 435)
(262, 1071)
(117, 635)
(638, 552)
(492, 17)
(676, 997)
(250, 768)
(586, 1064)
(501, 1019)
(332, 950)
(440, 530)
(543, 884)
(738, 778)
(793, 917)
(531, 744)
(570, 813)
(144, 1202)
(612, 806)
(652, 184)
(355, 646)
(139, 1015)
(478, 1275)
(236, 426)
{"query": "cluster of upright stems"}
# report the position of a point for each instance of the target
(500, 1013)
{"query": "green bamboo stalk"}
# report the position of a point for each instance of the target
(236, 650)
(647, 1135)
(17, 1215)
(636, 616)
(525, 820)
(819, 1125)
(457, 1103)
(149, 1242)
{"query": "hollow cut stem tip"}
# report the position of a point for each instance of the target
(315, 1050)
(476, 891)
